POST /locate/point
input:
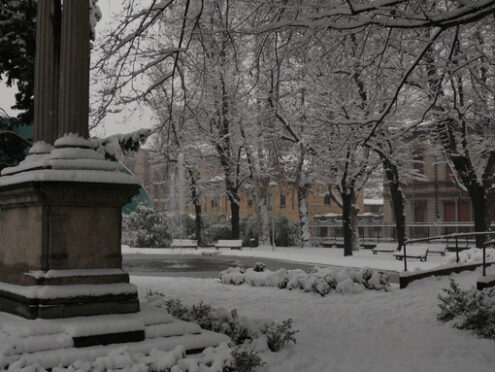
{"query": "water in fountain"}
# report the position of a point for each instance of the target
(180, 185)
(172, 207)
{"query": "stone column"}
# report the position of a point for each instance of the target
(74, 62)
(46, 82)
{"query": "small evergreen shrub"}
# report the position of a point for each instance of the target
(249, 230)
(239, 329)
(469, 309)
(244, 361)
(278, 335)
(145, 228)
(259, 267)
(215, 228)
(286, 233)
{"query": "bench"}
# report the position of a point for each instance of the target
(413, 251)
(383, 250)
(184, 243)
(440, 249)
(232, 244)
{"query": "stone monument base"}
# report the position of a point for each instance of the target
(60, 249)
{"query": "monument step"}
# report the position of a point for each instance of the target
(63, 341)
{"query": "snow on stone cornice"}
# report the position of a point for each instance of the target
(52, 175)
(74, 272)
(75, 153)
(41, 147)
(65, 291)
(72, 160)
(72, 140)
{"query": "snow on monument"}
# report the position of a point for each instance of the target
(60, 251)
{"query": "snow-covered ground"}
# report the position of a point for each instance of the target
(323, 256)
(370, 331)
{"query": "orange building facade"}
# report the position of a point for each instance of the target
(157, 185)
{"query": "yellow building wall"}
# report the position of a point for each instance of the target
(316, 199)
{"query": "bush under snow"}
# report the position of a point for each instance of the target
(470, 256)
(469, 309)
(260, 335)
(218, 359)
(321, 281)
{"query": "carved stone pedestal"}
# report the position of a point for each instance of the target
(60, 250)
(60, 234)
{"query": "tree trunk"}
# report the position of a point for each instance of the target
(303, 207)
(481, 216)
(261, 206)
(198, 224)
(347, 201)
(354, 225)
(235, 219)
(392, 175)
(197, 209)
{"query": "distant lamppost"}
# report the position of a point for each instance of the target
(272, 186)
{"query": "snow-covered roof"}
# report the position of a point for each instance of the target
(328, 215)
(367, 214)
(373, 201)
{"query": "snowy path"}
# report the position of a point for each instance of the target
(395, 331)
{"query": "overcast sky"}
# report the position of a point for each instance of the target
(120, 123)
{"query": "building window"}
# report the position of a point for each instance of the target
(323, 231)
(282, 200)
(419, 162)
(327, 199)
(420, 211)
(214, 203)
(250, 202)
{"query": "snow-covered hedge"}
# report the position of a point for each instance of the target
(321, 281)
(469, 309)
(217, 359)
(264, 334)
(470, 256)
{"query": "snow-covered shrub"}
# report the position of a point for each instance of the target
(249, 230)
(259, 267)
(319, 280)
(244, 361)
(233, 275)
(470, 256)
(278, 335)
(238, 328)
(469, 309)
(219, 359)
(215, 228)
(286, 233)
(145, 228)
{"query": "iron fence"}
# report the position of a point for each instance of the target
(328, 234)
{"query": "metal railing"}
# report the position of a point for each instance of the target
(386, 232)
(456, 237)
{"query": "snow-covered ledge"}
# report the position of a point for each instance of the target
(71, 160)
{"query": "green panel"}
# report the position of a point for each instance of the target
(143, 198)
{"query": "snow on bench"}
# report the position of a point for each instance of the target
(184, 243)
(232, 244)
(437, 248)
(384, 249)
(413, 251)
